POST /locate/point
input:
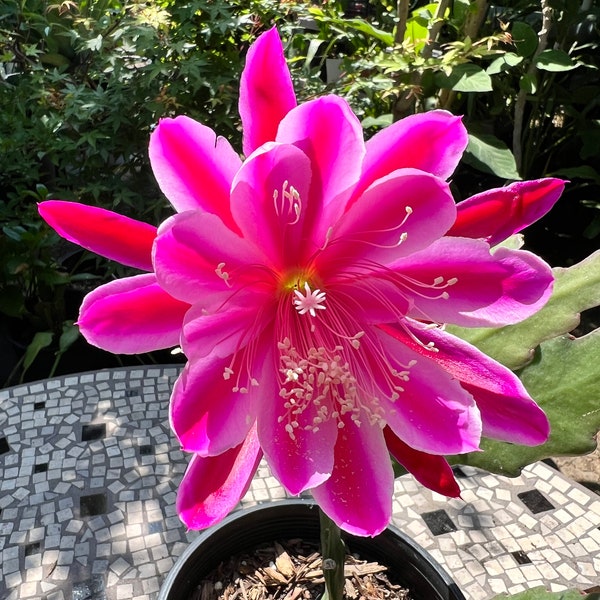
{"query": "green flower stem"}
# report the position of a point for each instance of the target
(333, 551)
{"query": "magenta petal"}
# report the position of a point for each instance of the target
(194, 168)
(224, 332)
(212, 487)
(131, 315)
(497, 214)
(198, 259)
(432, 142)
(431, 470)
(397, 216)
(507, 411)
(303, 459)
(268, 201)
(475, 288)
(432, 413)
(102, 231)
(358, 495)
(329, 133)
(214, 401)
(266, 91)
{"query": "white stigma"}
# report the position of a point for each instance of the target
(310, 303)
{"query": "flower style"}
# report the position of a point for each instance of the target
(307, 286)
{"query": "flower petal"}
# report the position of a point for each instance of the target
(432, 413)
(398, 215)
(431, 470)
(507, 411)
(198, 259)
(358, 495)
(212, 487)
(303, 458)
(214, 403)
(131, 315)
(102, 231)
(497, 214)
(266, 91)
(225, 331)
(329, 133)
(193, 167)
(474, 287)
(268, 201)
(433, 142)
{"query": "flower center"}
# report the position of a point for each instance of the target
(309, 303)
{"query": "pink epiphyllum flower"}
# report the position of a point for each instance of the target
(309, 283)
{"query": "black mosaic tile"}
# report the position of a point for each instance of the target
(535, 501)
(458, 472)
(4, 447)
(94, 431)
(521, 557)
(92, 589)
(33, 548)
(39, 405)
(40, 468)
(146, 450)
(438, 522)
(131, 393)
(93, 504)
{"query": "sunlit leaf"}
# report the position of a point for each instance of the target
(490, 155)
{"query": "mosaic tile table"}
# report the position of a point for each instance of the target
(89, 472)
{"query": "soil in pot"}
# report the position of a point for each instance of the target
(292, 570)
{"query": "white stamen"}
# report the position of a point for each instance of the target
(310, 303)
(222, 274)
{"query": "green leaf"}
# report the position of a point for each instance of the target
(490, 155)
(564, 380)
(524, 38)
(554, 60)
(575, 289)
(381, 121)
(504, 63)
(41, 340)
(541, 594)
(528, 83)
(466, 77)
(582, 172)
(69, 335)
(368, 29)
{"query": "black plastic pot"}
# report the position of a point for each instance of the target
(408, 564)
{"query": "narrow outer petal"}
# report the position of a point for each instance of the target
(102, 231)
(487, 290)
(507, 411)
(266, 91)
(432, 142)
(131, 316)
(497, 214)
(194, 168)
(431, 470)
(212, 487)
(358, 495)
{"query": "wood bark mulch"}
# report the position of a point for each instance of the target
(291, 570)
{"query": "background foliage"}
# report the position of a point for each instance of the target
(82, 84)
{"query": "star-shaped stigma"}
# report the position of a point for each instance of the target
(310, 303)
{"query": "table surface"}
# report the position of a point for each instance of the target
(88, 478)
